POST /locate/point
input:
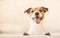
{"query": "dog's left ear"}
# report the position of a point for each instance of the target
(45, 9)
(27, 11)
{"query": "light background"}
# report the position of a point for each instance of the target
(13, 19)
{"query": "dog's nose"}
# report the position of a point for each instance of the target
(37, 13)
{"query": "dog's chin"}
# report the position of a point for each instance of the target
(37, 20)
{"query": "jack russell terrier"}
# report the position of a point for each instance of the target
(36, 20)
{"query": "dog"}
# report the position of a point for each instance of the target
(36, 20)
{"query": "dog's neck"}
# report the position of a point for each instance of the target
(34, 26)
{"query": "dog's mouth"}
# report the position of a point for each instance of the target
(37, 19)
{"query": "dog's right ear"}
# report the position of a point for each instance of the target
(27, 11)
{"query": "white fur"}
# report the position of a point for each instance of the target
(36, 28)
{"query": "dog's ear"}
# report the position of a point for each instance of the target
(27, 11)
(44, 9)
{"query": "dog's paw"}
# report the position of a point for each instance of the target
(47, 34)
(25, 33)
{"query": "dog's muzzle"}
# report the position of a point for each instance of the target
(36, 19)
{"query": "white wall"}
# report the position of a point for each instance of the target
(12, 14)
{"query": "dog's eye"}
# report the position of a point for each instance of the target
(32, 11)
(40, 10)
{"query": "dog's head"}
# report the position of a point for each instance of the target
(36, 14)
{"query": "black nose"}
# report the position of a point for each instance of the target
(37, 13)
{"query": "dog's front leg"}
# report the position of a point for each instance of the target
(45, 31)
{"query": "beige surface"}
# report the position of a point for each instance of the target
(32, 36)
(12, 17)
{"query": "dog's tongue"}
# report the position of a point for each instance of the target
(37, 20)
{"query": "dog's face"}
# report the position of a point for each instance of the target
(36, 14)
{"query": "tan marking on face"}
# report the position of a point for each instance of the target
(40, 10)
